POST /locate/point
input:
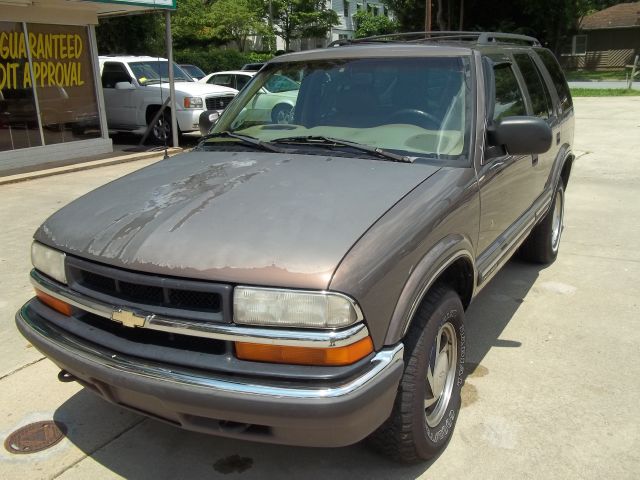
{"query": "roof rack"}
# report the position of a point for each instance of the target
(480, 38)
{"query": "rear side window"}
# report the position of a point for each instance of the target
(509, 99)
(557, 77)
(540, 99)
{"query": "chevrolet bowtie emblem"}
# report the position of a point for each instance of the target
(128, 318)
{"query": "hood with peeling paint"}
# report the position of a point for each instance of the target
(244, 217)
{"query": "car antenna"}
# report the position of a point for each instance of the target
(162, 105)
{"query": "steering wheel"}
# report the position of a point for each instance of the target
(419, 118)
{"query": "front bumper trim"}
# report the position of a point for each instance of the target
(40, 331)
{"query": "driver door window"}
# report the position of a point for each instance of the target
(119, 104)
(112, 73)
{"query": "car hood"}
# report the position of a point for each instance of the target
(242, 217)
(197, 88)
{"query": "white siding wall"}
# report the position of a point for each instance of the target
(346, 26)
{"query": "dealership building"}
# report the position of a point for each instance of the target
(51, 104)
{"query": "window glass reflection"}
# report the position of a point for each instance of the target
(18, 117)
(63, 73)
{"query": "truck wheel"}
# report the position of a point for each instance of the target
(281, 113)
(544, 240)
(161, 130)
(428, 400)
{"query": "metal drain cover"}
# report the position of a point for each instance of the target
(35, 437)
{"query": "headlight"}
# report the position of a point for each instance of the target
(48, 261)
(291, 308)
(193, 102)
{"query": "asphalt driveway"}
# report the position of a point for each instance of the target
(553, 383)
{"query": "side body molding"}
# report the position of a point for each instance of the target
(447, 251)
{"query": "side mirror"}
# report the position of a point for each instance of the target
(522, 135)
(124, 86)
(207, 119)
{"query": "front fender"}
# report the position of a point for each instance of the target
(448, 250)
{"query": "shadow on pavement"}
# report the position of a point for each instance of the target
(151, 449)
(123, 141)
(492, 310)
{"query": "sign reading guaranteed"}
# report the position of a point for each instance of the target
(55, 56)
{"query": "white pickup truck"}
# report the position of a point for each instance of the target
(135, 87)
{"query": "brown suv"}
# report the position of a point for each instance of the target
(305, 282)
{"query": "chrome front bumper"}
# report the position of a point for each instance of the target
(332, 414)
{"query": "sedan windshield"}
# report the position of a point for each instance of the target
(417, 107)
(155, 71)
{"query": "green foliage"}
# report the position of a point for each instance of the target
(294, 19)
(216, 60)
(409, 14)
(589, 75)
(235, 20)
(192, 24)
(135, 35)
(368, 24)
(551, 21)
(604, 92)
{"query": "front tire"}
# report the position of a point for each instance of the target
(161, 131)
(543, 242)
(428, 401)
(281, 114)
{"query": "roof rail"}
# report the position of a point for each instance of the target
(481, 38)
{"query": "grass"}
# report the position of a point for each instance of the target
(604, 92)
(586, 76)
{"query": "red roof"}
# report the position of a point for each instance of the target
(619, 16)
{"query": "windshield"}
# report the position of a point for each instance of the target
(412, 106)
(155, 71)
(192, 70)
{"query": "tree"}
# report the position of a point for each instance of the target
(191, 24)
(368, 24)
(135, 35)
(294, 19)
(236, 20)
(551, 21)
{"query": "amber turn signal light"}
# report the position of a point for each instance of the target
(336, 356)
(57, 305)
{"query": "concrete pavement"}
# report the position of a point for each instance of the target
(553, 382)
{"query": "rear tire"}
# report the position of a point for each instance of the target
(428, 400)
(543, 242)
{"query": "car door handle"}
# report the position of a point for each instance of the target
(534, 160)
(558, 138)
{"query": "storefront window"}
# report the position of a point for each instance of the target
(62, 82)
(62, 68)
(18, 116)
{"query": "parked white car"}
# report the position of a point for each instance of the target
(135, 87)
(274, 102)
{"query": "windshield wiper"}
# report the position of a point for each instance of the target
(245, 139)
(329, 141)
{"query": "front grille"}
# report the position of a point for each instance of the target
(143, 336)
(218, 103)
(196, 300)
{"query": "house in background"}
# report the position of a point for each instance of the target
(608, 39)
(345, 9)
